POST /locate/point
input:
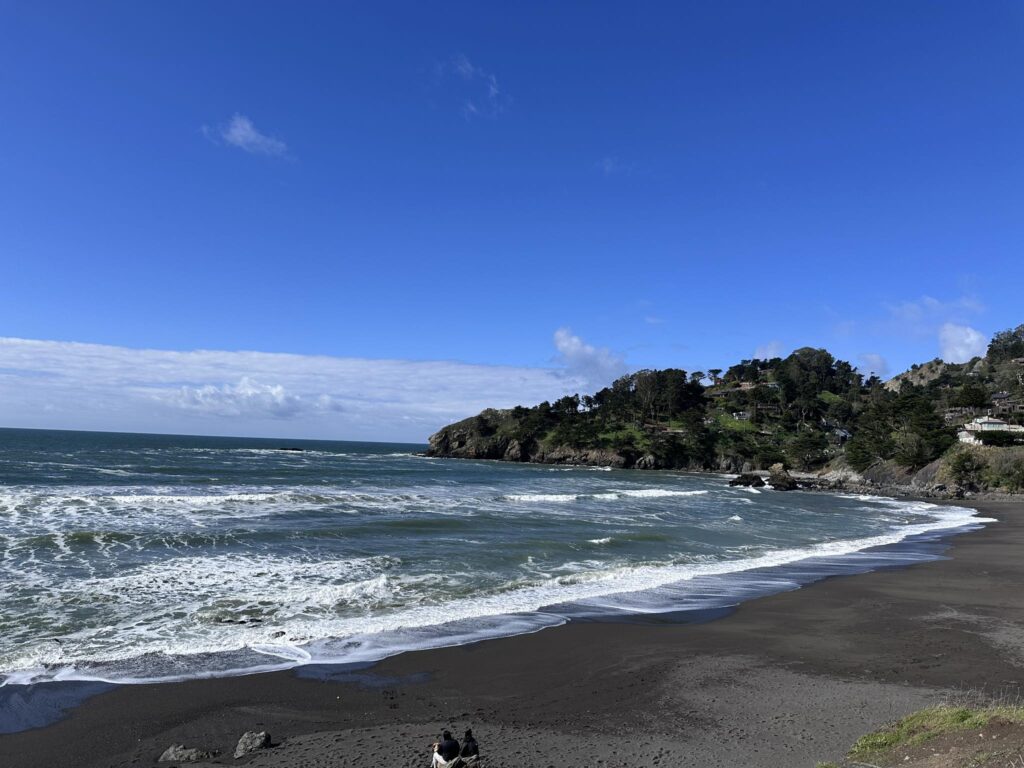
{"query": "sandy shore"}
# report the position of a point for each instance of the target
(787, 680)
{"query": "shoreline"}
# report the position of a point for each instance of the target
(678, 599)
(841, 656)
(824, 481)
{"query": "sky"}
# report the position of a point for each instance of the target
(363, 221)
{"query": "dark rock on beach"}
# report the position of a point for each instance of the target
(252, 741)
(178, 753)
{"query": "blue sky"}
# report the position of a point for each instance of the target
(561, 191)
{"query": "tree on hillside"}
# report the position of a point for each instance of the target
(872, 438)
(807, 450)
(1006, 345)
(970, 396)
(966, 468)
(645, 387)
(809, 372)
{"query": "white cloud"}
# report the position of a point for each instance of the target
(241, 133)
(479, 92)
(871, 362)
(596, 366)
(959, 343)
(248, 398)
(67, 385)
(922, 315)
(768, 351)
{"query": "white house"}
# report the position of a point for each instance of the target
(969, 434)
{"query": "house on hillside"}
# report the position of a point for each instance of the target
(1003, 403)
(960, 412)
(741, 415)
(973, 429)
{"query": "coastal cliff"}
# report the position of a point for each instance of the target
(492, 435)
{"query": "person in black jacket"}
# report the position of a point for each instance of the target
(469, 746)
(446, 750)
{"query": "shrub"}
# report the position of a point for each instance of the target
(966, 468)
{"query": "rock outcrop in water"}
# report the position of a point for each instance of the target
(780, 480)
(748, 480)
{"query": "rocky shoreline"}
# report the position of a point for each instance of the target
(884, 478)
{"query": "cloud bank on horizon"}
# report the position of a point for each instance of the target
(71, 385)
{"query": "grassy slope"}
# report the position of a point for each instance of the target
(946, 736)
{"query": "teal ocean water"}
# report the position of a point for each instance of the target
(143, 557)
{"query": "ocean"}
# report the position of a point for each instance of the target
(129, 558)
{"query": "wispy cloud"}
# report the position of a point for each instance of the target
(239, 132)
(477, 89)
(871, 362)
(768, 351)
(52, 384)
(959, 343)
(924, 313)
(595, 366)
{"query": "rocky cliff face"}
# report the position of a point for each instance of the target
(480, 437)
(474, 438)
(466, 440)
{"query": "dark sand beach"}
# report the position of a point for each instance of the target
(786, 680)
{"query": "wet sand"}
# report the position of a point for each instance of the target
(787, 680)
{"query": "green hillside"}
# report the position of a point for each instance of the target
(808, 411)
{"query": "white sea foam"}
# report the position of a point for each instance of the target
(303, 624)
(638, 493)
(196, 577)
(654, 493)
(735, 519)
(543, 497)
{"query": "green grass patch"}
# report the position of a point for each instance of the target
(927, 724)
(829, 398)
(624, 436)
(727, 422)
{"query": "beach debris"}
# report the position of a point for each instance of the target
(748, 480)
(179, 753)
(251, 741)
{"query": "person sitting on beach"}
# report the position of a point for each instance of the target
(469, 746)
(446, 750)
